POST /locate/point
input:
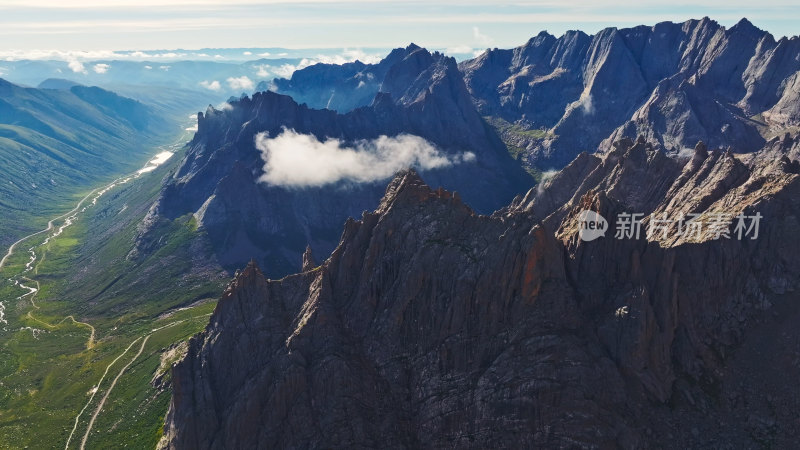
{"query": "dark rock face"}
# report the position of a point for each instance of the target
(431, 326)
(673, 83)
(424, 95)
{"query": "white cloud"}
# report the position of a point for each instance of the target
(685, 153)
(148, 67)
(285, 70)
(349, 55)
(247, 53)
(300, 160)
(546, 176)
(58, 55)
(164, 68)
(481, 38)
(211, 85)
(262, 70)
(76, 66)
(264, 55)
(241, 83)
(101, 68)
(459, 49)
(90, 55)
(224, 106)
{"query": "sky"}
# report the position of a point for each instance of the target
(30, 26)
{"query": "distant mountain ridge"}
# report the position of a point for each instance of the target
(554, 97)
(674, 83)
(57, 83)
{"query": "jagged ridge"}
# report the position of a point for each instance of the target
(674, 83)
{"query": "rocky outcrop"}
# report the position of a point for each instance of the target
(675, 83)
(432, 326)
(308, 260)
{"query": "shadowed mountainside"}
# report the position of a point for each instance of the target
(433, 326)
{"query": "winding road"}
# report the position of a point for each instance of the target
(33, 292)
(99, 407)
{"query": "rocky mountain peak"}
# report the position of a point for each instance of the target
(746, 27)
(407, 189)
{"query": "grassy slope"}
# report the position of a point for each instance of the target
(47, 379)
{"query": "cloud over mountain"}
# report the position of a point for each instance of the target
(211, 85)
(244, 83)
(299, 160)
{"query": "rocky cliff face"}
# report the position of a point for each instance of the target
(422, 94)
(432, 326)
(674, 83)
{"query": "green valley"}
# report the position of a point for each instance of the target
(85, 324)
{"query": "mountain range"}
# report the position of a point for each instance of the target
(554, 97)
(408, 251)
(541, 103)
(674, 83)
(219, 79)
(433, 324)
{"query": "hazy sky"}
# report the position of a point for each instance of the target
(192, 24)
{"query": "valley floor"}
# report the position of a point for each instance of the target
(84, 378)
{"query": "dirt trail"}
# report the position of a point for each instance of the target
(99, 407)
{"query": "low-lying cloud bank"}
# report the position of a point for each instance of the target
(292, 159)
